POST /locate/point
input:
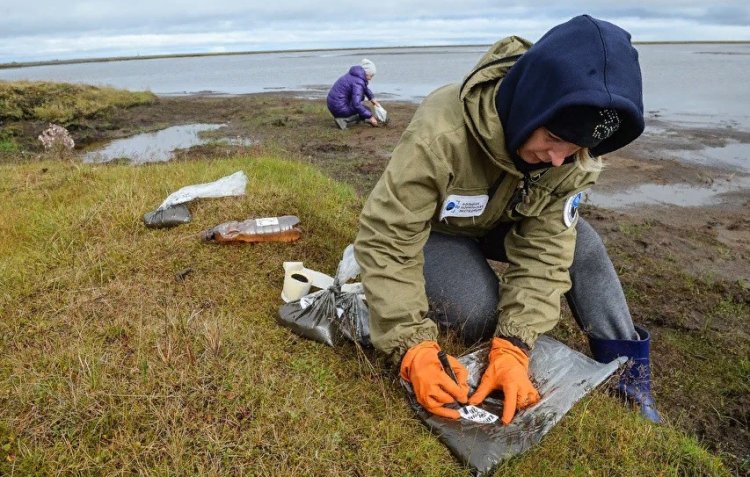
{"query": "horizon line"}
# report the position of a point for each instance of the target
(26, 64)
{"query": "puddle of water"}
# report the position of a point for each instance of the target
(152, 147)
(683, 195)
(735, 155)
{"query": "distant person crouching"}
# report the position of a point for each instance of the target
(347, 93)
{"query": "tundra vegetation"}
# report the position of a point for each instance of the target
(127, 350)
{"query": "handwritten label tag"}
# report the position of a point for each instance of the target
(477, 414)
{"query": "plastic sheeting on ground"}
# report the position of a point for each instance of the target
(231, 185)
(561, 375)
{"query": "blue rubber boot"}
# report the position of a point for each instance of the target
(635, 383)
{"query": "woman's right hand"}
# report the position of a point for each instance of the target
(373, 121)
(432, 385)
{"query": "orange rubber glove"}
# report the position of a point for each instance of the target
(431, 383)
(508, 371)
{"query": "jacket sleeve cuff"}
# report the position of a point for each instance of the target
(520, 336)
(518, 343)
(399, 351)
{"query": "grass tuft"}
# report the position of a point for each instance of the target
(62, 103)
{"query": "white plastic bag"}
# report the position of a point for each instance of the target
(381, 114)
(348, 267)
(231, 185)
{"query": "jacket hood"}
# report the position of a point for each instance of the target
(477, 94)
(582, 62)
(358, 71)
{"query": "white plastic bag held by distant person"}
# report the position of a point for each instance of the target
(381, 114)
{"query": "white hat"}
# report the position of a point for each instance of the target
(369, 66)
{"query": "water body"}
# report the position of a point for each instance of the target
(733, 156)
(683, 195)
(152, 147)
(693, 85)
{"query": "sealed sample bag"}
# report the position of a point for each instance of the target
(169, 217)
(337, 311)
(173, 211)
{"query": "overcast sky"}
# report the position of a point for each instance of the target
(33, 30)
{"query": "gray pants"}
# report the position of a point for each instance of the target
(462, 289)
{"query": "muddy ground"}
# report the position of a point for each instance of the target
(686, 270)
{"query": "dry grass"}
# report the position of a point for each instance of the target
(111, 365)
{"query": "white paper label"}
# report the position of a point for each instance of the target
(267, 221)
(477, 414)
(464, 206)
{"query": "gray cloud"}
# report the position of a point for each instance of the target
(44, 29)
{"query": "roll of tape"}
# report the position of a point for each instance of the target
(296, 285)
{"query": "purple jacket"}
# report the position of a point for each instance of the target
(347, 93)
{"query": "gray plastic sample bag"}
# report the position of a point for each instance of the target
(169, 217)
(328, 316)
(333, 313)
(562, 377)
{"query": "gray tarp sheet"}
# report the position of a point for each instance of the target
(562, 377)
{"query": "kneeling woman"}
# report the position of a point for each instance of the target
(494, 168)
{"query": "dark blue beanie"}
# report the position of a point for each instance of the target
(582, 64)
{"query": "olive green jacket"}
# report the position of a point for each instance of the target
(454, 145)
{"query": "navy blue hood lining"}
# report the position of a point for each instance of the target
(584, 61)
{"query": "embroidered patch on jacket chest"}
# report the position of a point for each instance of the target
(570, 211)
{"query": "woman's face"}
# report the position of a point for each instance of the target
(368, 76)
(543, 146)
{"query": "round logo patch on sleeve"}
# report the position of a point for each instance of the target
(570, 211)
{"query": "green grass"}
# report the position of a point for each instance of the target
(8, 146)
(62, 103)
(583, 444)
(112, 366)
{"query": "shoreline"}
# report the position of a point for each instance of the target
(73, 61)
